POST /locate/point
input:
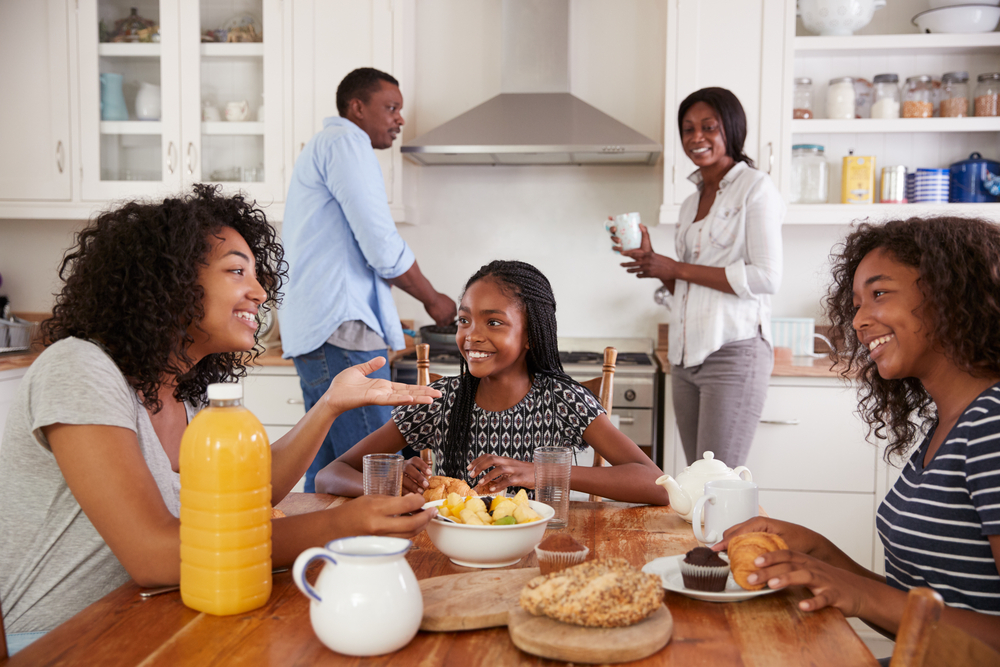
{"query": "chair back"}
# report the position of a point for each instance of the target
(424, 378)
(924, 641)
(604, 388)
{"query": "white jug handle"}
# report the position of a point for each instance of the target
(299, 570)
(743, 469)
(699, 533)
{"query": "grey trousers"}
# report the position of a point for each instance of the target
(718, 403)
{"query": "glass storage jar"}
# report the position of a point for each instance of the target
(917, 100)
(955, 95)
(810, 175)
(886, 98)
(840, 98)
(802, 98)
(988, 94)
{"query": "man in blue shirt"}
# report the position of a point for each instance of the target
(344, 253)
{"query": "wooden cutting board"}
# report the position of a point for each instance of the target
(472, 600)
(549, 638)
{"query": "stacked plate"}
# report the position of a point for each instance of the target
(931, 185)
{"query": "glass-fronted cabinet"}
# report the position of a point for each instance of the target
(173, 93)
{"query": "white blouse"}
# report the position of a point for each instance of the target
(742, 232)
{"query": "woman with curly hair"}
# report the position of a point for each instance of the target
(915, 306)
(159, 301)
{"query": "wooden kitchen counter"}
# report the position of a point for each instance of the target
(124, 629)
(797, 367)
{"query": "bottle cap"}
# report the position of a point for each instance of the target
(886, 78)
(225, 391)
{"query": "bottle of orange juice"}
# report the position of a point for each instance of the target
(225, 466)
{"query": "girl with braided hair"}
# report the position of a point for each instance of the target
(511, 396)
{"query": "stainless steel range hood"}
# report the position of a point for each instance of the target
(535, 120)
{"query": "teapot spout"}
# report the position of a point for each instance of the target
(679, 498)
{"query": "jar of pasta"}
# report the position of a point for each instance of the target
(955, 95)
(840, 98)
(917, 101)
(802, 98)
(988, 94)
(886, 97)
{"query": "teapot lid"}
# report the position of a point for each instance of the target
(708, 465)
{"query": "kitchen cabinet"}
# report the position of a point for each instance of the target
(334, 37)
(35, 113)
(273, 395)
(810, 461)
(9, 382)
(735, 44)
(167, 152)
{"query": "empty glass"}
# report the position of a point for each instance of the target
(383, 474)
(552, 473)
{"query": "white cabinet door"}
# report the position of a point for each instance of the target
(733, 44)
(34, 114)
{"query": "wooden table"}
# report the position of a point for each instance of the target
(124, 629)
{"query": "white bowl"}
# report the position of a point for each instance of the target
(489, 546)
(958, 19)
(837, 17)
(937, 4)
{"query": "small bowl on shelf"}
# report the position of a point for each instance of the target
(958, 19)
(837, 17)
(938, 4)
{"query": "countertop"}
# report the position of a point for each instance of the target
(796, 367)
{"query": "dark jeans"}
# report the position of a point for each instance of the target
(316, 370)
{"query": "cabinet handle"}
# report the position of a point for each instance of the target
(626, 420)
(192, 155)
(171, 158)
(781, 422)
(60, 156)
(770, 157)
(296, 401)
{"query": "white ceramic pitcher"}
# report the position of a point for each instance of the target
(366, 600)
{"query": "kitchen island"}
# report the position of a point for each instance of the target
(124, 629)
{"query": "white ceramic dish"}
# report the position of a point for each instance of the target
(489, 546)
(958, 19)
(837, 17)
(937, 4)
(669, 570)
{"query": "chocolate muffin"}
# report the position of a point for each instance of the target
(703, 570)
(559, 551)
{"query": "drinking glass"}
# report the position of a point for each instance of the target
(552, 473)
(383, 474)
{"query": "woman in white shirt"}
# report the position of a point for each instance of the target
(728, 242)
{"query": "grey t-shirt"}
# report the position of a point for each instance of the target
(53, 562)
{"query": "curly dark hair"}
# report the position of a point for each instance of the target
(958, 260)
(131, 285)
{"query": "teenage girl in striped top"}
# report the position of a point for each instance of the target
(915, 305)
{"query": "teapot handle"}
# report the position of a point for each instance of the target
(743, 469)
(299, 570)
(699, 533)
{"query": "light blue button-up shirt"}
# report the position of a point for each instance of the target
(340, 241)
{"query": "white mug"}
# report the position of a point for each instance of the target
(726, 503)
(210, 114)
(626, 229)
(237, 110)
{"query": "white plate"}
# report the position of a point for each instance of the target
(669, 570)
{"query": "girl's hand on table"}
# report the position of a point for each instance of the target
(646, 263)
(830, 585)
(384, 515)
(352, 388)
(415, 475)
(505, 472)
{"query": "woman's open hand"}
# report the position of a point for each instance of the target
(505, 472)
(353, 388)
(646, 263)
(415, 475)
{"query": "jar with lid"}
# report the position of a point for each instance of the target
(802, 98)
(917, 99)
(840, 98)
(810, 175)
(988, 94)
(886, 96)
(955, 95)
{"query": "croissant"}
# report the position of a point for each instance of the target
(744, 549)
(439, 487)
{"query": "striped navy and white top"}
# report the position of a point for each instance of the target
(936, 521)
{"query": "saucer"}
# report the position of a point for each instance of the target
(669, 570)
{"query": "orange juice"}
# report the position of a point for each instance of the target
(225, 466)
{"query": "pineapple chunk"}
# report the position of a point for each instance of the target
(454, 499)
(524, 514)
(496, 502)
(444, 511)
(485, 517)
(505, 508)
(476, 505)
(470, 518)
(521, 498)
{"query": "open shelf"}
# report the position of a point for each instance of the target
(881, 45)
(131, 127)
(232, 50)
(128, 50)
(845, 214)
(883, 125)
(225, 127)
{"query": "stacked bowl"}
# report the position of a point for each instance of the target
(959, 16)
(931, 185)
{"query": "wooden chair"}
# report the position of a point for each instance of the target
(603, 387)
(924, 641)
(424, 378)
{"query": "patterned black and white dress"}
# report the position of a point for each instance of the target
(553, 412)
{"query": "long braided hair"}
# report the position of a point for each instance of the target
(531, 289)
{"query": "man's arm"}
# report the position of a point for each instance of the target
(439, 306)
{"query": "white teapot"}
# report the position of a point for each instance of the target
(690, 484)
(366, 600)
